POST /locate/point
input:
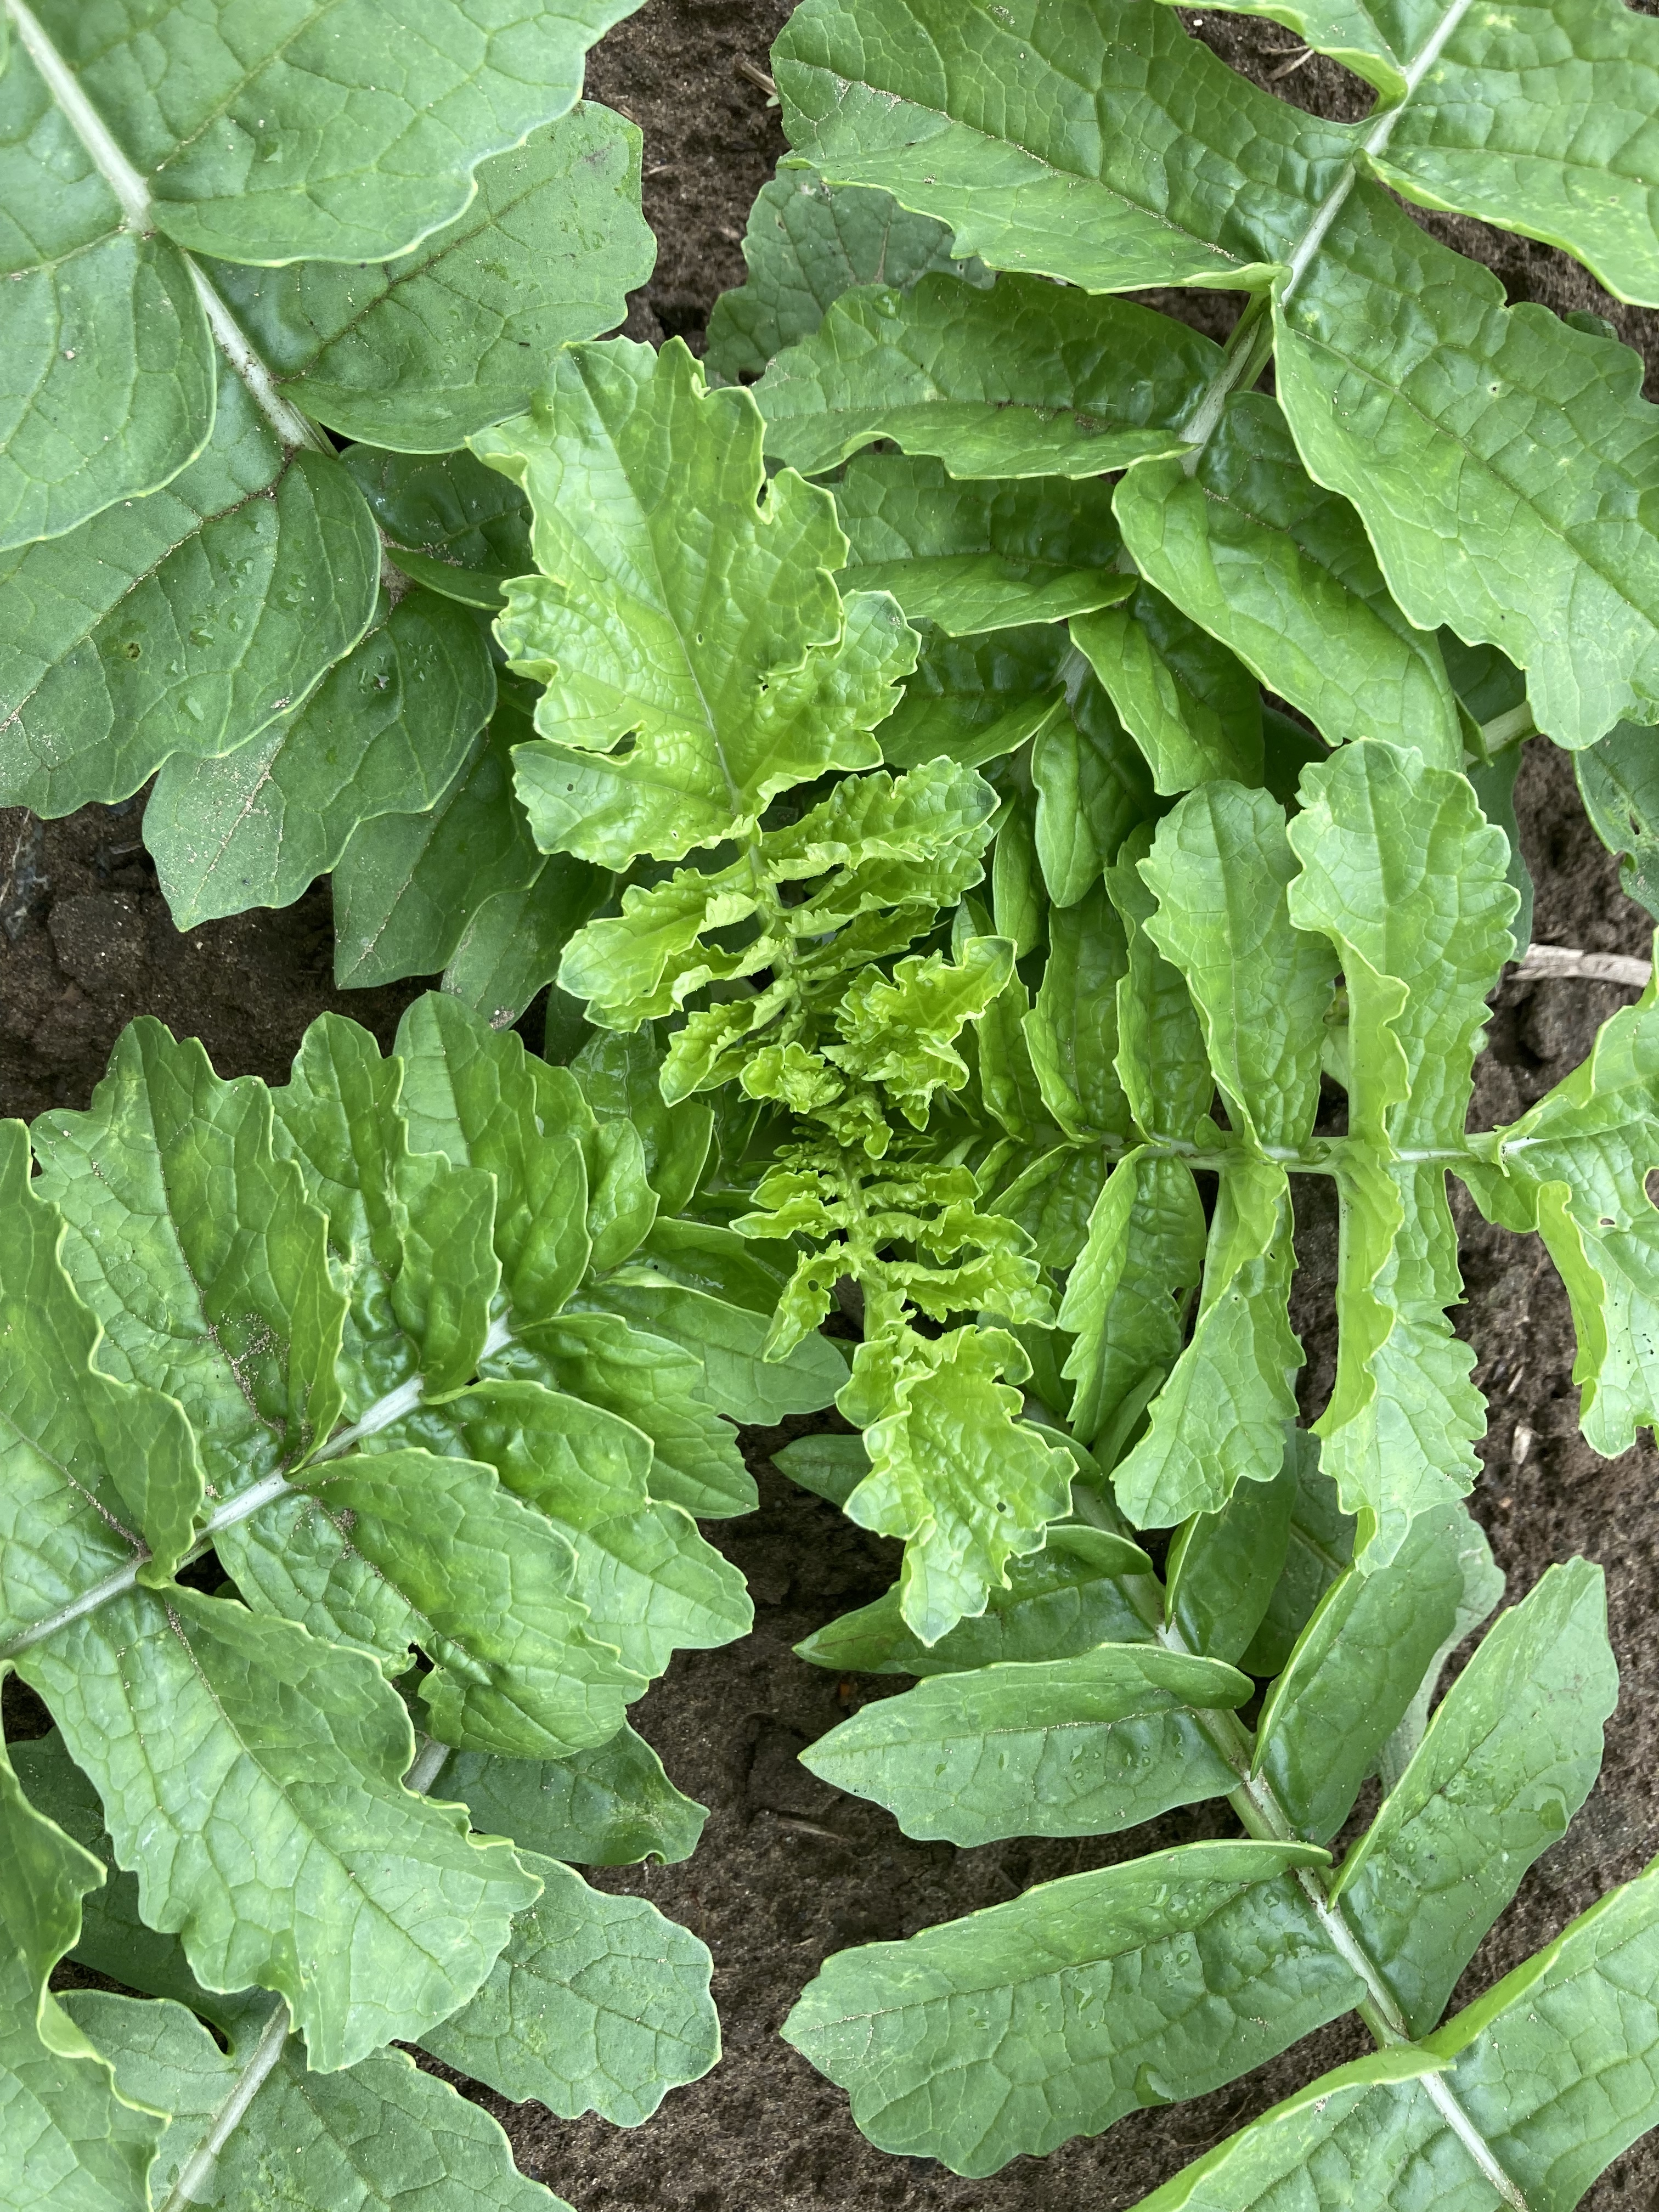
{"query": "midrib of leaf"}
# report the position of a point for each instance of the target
(133, 194)
(1373, 144)
(262, 2060)
(381, 1415)
(194, 2173)
(1251, 342)
(1258, 1808)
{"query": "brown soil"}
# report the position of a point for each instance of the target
(789, 1871)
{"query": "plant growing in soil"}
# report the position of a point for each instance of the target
(234, 246)
(1339, 1576)
(357, 1431)
(977, 884)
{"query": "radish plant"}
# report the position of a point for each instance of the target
(232, 234)
(356, 1433)
(980, 884)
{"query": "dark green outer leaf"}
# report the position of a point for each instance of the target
(229, 140)
(475, 1095)
(97, 1471)
(1499, 459)
(1092, 789)
(1162, 1061)
(1575, 1167)
(728, 1340)
(1550, 2076)
(1124, 1299)
(1025, 380)
(310, 2142)
(649, 1583)
(1111, 150)
(1076, 1747)
(597, 2004)
(621, 1078)
(468, 525)
(512, 944)
(1354, 1671)
(1494, 786)
(1223, 1567)
(612, 1805)
(416, 352)
(975, 699)
(408, 888)
(1071, 1032)
(73, 2141)
(107, 386)
(490, 1584)
(1281, 571)
(976, 555)
(1052, 2017)
(1320, 1545)
(1618, 782)
(201, 1723)
(1190, 706)
(660, 1388)
(182, 623)
(198, 1251)
(388, 725)
(830, 1466)
(1519, 114)
(699, 1256)
(114, 1939)
(1218, 867)
(806, 243)
(1509, 1758)
(1221, 1417)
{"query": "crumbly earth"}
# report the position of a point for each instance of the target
(789, 1871)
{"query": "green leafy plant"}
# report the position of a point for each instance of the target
(1097, 785)
(1163, 1977)
(228, 239)
(1338, 1568)
(328, 1543)
(1404, 545)
(1187, 1007)
(1485, 448)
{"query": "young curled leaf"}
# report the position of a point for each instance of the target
(696, 655)
(899, 1033)
(952, 1419)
